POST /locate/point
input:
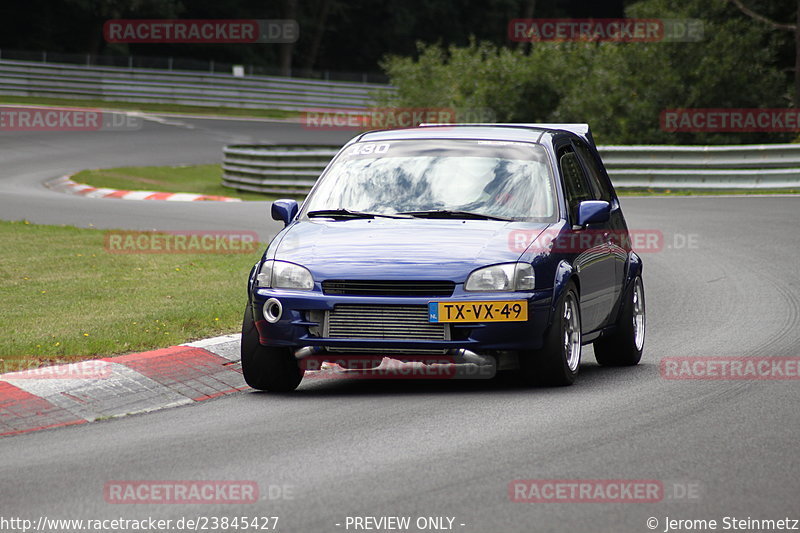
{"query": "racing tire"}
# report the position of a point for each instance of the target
(267, 368)
(557, 363)
(624, 347)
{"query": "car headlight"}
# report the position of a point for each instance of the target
(283, 275)
(506, 277)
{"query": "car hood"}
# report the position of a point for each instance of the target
(398, 248)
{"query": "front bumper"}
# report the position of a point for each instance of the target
(302, 324)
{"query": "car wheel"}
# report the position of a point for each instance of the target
(624, 347)
(266, 367)
(557, 362)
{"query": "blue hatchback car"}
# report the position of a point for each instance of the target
(496, 245)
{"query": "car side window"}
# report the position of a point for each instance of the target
(598, 181)
(575, 184)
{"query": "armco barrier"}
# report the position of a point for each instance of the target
(755, 166)
(116, 84)
(293, 169)
(281, 169)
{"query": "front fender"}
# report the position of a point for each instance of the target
(633, 268)
(251, 279)
(564, 273)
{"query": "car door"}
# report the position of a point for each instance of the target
(588, 246)
(617, 230)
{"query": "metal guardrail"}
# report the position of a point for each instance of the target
(756, 166)
(25, 78)
(293, 169)
(170, 63)
(284, 169)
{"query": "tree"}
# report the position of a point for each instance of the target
(795, 28)
(287, 49)
(319, 30)
(621, 89)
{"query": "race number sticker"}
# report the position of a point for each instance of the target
(369, 149)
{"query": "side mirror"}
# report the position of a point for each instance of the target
(593, 212)
(284, 210)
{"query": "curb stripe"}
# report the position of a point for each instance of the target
(139, 382)
(117, 194)
(66, 185)
(159, 196)
(23, 412)
(219, 394)
(152, 354)
(193, 372)
(136, 195)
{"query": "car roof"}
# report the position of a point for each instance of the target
(526, 132)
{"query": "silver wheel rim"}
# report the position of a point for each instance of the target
(638, 314)
(572, 332)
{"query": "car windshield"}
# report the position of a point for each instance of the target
(441, 178)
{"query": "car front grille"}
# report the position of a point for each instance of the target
(413, 288)
(383, 322)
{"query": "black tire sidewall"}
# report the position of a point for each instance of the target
(619, 349)
(570, 289)
(548, 365)
(263, 367)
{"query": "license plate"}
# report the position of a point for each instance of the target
(505, 311)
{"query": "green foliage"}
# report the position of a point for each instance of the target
(478, 76)
(619, 88)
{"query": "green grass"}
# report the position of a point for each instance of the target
(646, 191)
(64, 297)
(200, 179)
(155, 108)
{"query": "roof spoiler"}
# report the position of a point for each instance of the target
(579, 129)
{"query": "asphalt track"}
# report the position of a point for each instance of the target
(402, 448)
(29, 158)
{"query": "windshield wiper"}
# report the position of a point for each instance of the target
(444, 213)
(346, 213)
